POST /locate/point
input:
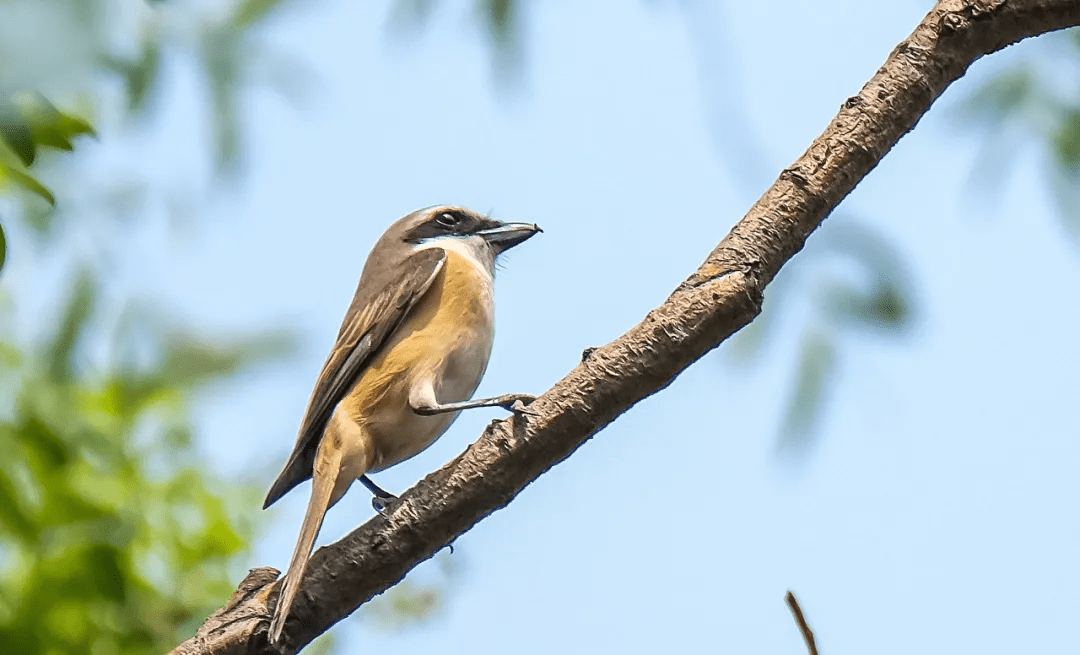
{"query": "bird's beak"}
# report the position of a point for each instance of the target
(505, 236)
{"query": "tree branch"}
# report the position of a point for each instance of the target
(720, 297)
(800, 620)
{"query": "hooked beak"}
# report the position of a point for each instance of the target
(505, 236)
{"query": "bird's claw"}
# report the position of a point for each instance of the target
(382, 504)
(518, 404)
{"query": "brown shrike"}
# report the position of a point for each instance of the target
(410, 353)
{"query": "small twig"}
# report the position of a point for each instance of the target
(807, 633)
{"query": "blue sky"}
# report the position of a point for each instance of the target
(938, 511)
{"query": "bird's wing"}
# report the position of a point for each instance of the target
(363, 332)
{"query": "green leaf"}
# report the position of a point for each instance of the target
(249, 12)
(3, 248)
(60, 131)
(61, 349)
(504, 29)
(224, 54)
(50, 450)
(11, 176)
(16, 132)
(14, 519)
(884, 307)
(817, 370)
(139, 74)
(190, 361)
(10, 356)
(1066, 191)
(881, 299)
(28, 120)
(1066, 142)
(107, 572)
(501, 16)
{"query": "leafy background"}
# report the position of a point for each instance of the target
(118, 527)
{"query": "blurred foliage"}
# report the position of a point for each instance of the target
(1035, 101)
(419, 597)
(106, 57)
(849, 279)
(115, 537)
(29, 122)
(500, 20)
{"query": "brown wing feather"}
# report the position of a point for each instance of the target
(362, 334)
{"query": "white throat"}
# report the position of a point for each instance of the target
(472, 248)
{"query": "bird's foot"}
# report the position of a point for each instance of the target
(518, 403)
(382, 504)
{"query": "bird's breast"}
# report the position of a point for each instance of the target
(447, 338)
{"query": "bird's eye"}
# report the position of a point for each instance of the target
(447, 220)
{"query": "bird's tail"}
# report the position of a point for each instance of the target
(322, 488)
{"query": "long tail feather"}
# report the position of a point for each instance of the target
(322, 488)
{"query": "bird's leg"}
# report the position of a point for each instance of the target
(514, 402)
(381, 499)
(376, 489)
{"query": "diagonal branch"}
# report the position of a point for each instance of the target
(800, 620)
(720, 297)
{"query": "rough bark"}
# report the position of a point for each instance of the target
(719, 298)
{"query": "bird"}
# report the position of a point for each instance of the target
(409, 355)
